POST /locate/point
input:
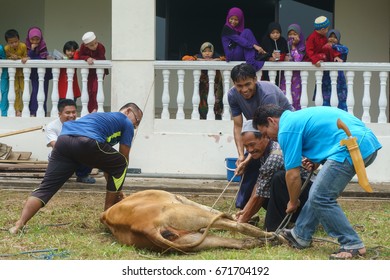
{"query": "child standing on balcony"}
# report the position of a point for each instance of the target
(315, 43)
(297, 50)
(275, 48)
(207, 54)
(239, 43)
(71, 51)
(4, 85)
(91, 50)
(37, 49)
(316, 40)
(335, 52)
(14, 50)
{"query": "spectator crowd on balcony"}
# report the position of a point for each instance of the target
(34, 48)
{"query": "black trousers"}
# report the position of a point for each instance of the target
(71, 151)
(277, 203)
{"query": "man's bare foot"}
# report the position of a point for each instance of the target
(15, 229)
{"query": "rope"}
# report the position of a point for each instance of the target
(288, 217)
(235, 197)
(223, 191)
(44, 254)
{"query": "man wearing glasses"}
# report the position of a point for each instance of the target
(89, 141)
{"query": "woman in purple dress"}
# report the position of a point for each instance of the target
(239, 43)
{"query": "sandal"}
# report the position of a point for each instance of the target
(354, 254)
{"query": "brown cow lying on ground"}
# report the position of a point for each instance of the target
(160, 221)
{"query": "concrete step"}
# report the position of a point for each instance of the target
(178, 185)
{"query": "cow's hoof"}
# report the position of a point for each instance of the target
(280, 238)
(252, 243)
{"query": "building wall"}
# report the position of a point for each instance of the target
(365, 29)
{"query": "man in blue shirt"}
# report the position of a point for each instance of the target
(313, 133)
(89, 141)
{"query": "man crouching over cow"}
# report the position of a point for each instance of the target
(88, 141)
(270, 190)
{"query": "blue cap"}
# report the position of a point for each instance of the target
(321, 22)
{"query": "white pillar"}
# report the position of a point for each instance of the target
(195, 96)
(100, 92)
(304, 96)
(288, 76)
(26, 92)
(69, 92)
(366, 97)
(382, 97)
(226, 86)
(334, 100)
(319, 99)
(54, 93)
(180, 95)
(11, 92)
(41, 91)
(351, 94)
(165, 96)
(272, 76)
(84, 91)
(211, 96)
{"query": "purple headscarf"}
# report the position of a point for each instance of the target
(240, 15)
(301, 45)
(42, 48)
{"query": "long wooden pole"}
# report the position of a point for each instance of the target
(20, 131)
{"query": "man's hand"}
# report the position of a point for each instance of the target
(241, 216)
(309, 165)
(292, 206)
(241, 168)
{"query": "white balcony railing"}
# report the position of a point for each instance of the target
(177, 86)
(55, 65)
(360, 97)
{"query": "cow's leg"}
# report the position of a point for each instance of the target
(186, 201)
(211, 242)
(243, 228)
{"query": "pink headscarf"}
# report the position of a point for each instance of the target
(238, 13)
(37, 32)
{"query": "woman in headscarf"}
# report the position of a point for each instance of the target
(297, 50)
(275, 47)
(36, 49)
(238, 42)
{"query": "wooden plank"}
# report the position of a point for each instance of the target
(13, 156)
(23, 175)
(32, 161)
(22, 166)
(25, 155)
(6, 150)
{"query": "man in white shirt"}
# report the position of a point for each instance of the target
(67, 112)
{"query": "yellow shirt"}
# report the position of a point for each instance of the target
(20, 51)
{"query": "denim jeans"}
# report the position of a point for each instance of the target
(322, 207)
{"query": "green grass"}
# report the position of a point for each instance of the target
(70, 225)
